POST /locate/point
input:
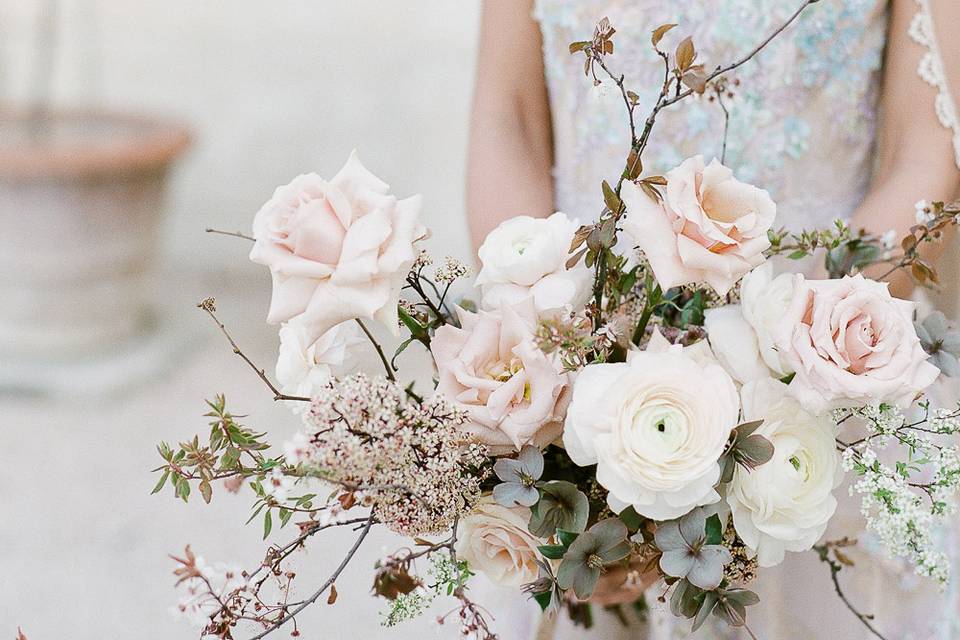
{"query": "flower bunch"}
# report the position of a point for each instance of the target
(640, 400)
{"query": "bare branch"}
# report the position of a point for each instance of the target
(391, 375)
(835, 567)
(208, 305)
(326, 585)
(235, 234)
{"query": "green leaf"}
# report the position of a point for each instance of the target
(747, 428)
(230, 459)
(799, 254)
(161, 482)
(206, 491)
(714, 530)
(184, 489)
(753, 451)
(543, 599)
(610, 198)
(710, 601)
(566, 537)
(631, 518)
(552, 551)
(267, 524)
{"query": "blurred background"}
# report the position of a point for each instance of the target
(126, 129)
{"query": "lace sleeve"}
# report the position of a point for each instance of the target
(931, 69)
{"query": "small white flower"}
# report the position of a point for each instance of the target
(924, 212)
(601, 89)
(298, 450)
(889, 239)
(277, 485)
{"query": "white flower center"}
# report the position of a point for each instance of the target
(660, 426)
(521, 244)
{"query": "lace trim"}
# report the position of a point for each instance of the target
(931, 70)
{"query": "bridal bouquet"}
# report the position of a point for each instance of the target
(640, 401)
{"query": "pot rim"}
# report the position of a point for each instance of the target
(149, 143)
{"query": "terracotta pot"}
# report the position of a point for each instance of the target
(80, 205)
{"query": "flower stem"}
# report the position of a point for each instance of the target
(391, 375)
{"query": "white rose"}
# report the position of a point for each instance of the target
(527, 256)
(655, 426)
(494, 539)
(785, 503)
(304, 367)
(741, 334)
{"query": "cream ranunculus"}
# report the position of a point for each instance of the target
(709, 226)
(741, 334)
(527, 256)
(492, 367)
(494, 539)
(655, 426)
(785, 503)
(851, 344)
(304, 367)
(337, 250)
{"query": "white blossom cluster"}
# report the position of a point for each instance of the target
(407, 606)
(205, 594)
(900, 509)
(451, 269)
(408, 459)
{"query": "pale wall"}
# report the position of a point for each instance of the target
(271, 89)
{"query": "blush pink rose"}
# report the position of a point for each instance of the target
(709, 226)
(336, 250)
(514, 393)
(851, 344)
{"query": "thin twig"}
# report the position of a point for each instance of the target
(235, 234)
(326, 585)
(719, 71)
(391, 375)
(208, 306)
(835, 567)
(726, 125)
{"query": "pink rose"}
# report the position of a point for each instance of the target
(337, 250)
(515, 394)
(709, 227)
(851, 344)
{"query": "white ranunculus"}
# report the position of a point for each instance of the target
(304, 367)
(495, 540)
(741, 334)
(785, 503)
(655, 426)
(527, 256)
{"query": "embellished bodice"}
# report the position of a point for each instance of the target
(802, 113)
